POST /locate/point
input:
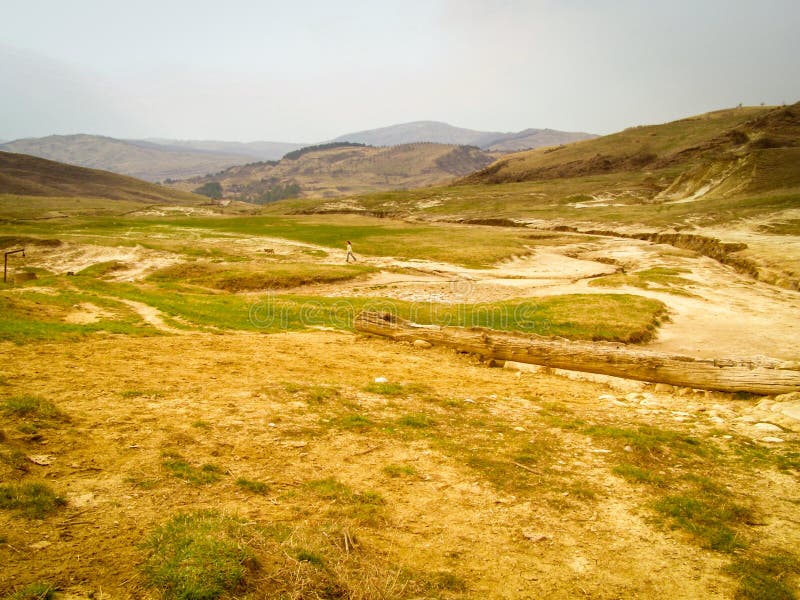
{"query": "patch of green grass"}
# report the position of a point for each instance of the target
(754, 455)
(707, 511)
(269, 276)
(180, 468)
(31, 316)
(33, 499)
(320, 394)
(102, 269)
(197, 556)
(648, 444)
(395, 470)
(310, 557)
(764, 577)
(385, 388)
(330, 488)
(365, 507)
(13, 457)
(201, 424)
(31, 406)
(256, 487)
(416, 421)
(34, 591)
(354, 421)
(634, 474)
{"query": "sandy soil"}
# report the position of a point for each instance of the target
(505, 544)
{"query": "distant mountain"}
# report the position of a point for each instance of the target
(144, 160)
(442, 133)
(24, 175)
(253, 150)
(340, 169)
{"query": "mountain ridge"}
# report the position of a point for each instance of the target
(160, 159)
(440, 132)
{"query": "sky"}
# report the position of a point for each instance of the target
(311, 70)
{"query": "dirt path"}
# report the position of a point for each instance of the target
(153, 317)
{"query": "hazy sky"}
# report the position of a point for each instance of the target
(308, 71)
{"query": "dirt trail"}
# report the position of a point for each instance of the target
(153, 316)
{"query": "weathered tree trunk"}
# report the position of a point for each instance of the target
(759, 376)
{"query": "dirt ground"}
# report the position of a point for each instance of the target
(447, 517)
(243, 402)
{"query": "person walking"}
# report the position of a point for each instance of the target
(350, 252)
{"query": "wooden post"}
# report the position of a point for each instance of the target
(5, 261)
(757, 376)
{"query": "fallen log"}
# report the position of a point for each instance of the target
(757, 376)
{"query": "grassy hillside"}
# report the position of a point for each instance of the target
(703, 170)
(144, 160)
(342, 170)
(727, 152)
(23, 175)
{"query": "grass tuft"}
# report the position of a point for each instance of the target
(764, 577)
(394, 470)
(33, 500)
(31, 406)
(197, 556)
(256, 487)
(34, 591)
(181, 469)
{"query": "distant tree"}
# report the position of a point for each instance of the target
(212, 189)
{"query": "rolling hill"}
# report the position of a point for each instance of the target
(144, 160)
(338, 169)
(735, 151)
(442, 133)
(23, 175)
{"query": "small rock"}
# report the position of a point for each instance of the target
(40, 545)
(608, 397)
(767, 427)
(717, 420)
(271, 425)
(519, 429)
(628, 449)
(772, 440)
(634, 397)
(41, 459)
(469, 400)
(381, 380)
(422, 344)
(534, 536)
(618, 403)
(663, 387)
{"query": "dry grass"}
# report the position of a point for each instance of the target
(451, 480)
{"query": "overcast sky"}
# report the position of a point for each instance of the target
(308, 71)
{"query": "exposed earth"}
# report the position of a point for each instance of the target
(460, 515)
